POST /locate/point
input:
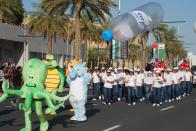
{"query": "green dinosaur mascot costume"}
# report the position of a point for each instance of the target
(55, 78)
(33, 92)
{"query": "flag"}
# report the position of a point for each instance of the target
(115, 49)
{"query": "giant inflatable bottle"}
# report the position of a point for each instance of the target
(128, 25)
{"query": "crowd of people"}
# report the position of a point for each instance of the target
(12, 73)
(133, 86)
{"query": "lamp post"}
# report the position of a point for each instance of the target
(194, 27)
(119, 43)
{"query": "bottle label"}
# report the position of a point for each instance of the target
(141, 18)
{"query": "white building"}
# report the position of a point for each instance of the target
(16, 47)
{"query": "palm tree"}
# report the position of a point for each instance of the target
(11, 11)
(49, 25)
(174, 47)
(79, 8)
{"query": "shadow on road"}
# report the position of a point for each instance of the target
(4, 112)
(8, 122)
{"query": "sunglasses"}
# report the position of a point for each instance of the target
(49, 60)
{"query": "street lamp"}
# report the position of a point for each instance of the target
(194, 27)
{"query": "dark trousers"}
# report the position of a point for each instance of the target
(139, 92)
(175, 91)
(115, 91)
(130, 94)
(168, 91)
(188, 87)
(156, 96)
(182, 87)
(96, 90)
(107, 95)
(121, 90)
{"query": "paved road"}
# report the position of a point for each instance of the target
(176, 116)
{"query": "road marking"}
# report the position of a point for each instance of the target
(167, 108)
(112, 128)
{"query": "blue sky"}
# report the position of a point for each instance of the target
(174, 10)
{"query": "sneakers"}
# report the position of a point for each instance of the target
(109, 103)
(177, 98)
(99, 97)
(188, 94)
(94, 99)
(161, 103)
(119, 99)
(172, 99)
(134, 103)
(154, 104)
(158, 105)
(104, 103)
(129, 104)
(165, 100)
(169, 100)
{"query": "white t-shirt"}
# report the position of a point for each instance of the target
(107, 84)
(115, 77)
(156, 82)
(121, 76)
(139, 79)
(188, 76)
(148, 80)
(130, 80)
(95, 77)
(168, 78)
(103, 76)
(175, 78)
(181, 75)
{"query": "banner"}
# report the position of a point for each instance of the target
(115, 49)
(124, 50)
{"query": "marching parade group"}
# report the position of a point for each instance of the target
(156, 87)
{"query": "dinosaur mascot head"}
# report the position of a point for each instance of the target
(50, 61)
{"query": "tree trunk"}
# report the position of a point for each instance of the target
(98, 56)
(49, 43)
(133, 63)
(77, 37)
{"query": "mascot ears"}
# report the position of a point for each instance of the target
(84, 64)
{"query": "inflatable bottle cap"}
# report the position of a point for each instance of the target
(107, 35)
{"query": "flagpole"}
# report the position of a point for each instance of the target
(119, 45)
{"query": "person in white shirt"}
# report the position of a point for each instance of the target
(148, 80)
(168, 85)
(181, 73)
(121, 87)
(108, 82)
(96, 84)
(163, 87)
(115, 93)
(139, 85)
(158, 80)
(103, 74)
(176, 83)
(130, 82)
(188, 76)
(89, 72)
